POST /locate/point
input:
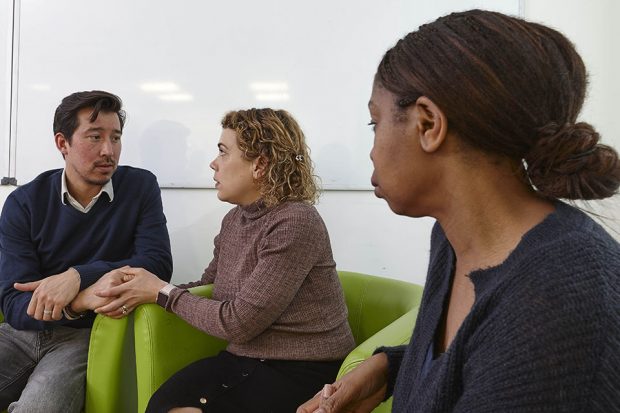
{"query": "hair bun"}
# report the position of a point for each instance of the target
(568, 162)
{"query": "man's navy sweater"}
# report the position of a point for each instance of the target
(40, 236)
(543, 334)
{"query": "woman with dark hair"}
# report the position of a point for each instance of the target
(475, 121)
(277, 298)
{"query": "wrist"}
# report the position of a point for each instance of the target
(70, 314)
(164, 294)
(72, 273)
(78, 305)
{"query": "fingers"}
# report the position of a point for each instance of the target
(117, 313)
(327, 391)
(311, 405)
(128, 277)
(117, 308)
(46, 311)
(112, 291)
(112, 307)
(31, 286)
(318, 404)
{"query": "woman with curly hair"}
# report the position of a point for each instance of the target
(277, 299)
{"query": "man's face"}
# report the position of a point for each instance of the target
(92, 156)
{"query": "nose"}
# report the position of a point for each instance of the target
(107, 149)
(213, 165)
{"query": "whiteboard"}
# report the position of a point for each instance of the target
(180, 65)
(6, 28)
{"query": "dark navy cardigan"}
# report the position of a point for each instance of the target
(543, 334)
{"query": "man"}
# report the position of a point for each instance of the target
(63, 237)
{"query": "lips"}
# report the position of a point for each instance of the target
(104, 168)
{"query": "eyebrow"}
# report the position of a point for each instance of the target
(371, 104)
(99, 129)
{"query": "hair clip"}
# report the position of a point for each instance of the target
(299, 158)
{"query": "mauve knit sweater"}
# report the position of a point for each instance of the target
(543, 334)
(276, 290)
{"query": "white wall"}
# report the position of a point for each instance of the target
(592, 26)
(366, 235)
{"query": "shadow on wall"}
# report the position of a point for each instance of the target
(166, 151)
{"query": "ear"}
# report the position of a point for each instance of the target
(61, 143)
(432, 124)
(259, 166)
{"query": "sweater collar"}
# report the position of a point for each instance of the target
(254, 210)
(547, 229)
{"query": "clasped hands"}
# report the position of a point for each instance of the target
(359, 391)
(114, 295)
(138, 286)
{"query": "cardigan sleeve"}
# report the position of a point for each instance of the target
(395, 357)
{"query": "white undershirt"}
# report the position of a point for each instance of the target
(66, 196)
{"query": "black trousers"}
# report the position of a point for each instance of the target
(228, 383)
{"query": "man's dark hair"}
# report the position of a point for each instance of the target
(65, 118)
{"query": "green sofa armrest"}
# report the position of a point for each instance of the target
(395, 334)
(109, 355)
(165, 343)
(382, 312)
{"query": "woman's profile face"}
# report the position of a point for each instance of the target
(396, 155)
(234, 175)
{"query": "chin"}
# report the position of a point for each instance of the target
(397, 209)
(100, 181)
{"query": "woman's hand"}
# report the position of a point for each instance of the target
(87, 300)
(359, 391)
(139, 287)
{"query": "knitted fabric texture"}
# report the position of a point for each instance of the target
(276, 290)
(40, 236)
(543, 334)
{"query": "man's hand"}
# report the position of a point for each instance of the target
(50, 295)
(88, 300)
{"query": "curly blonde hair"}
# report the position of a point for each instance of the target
(276, 136)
